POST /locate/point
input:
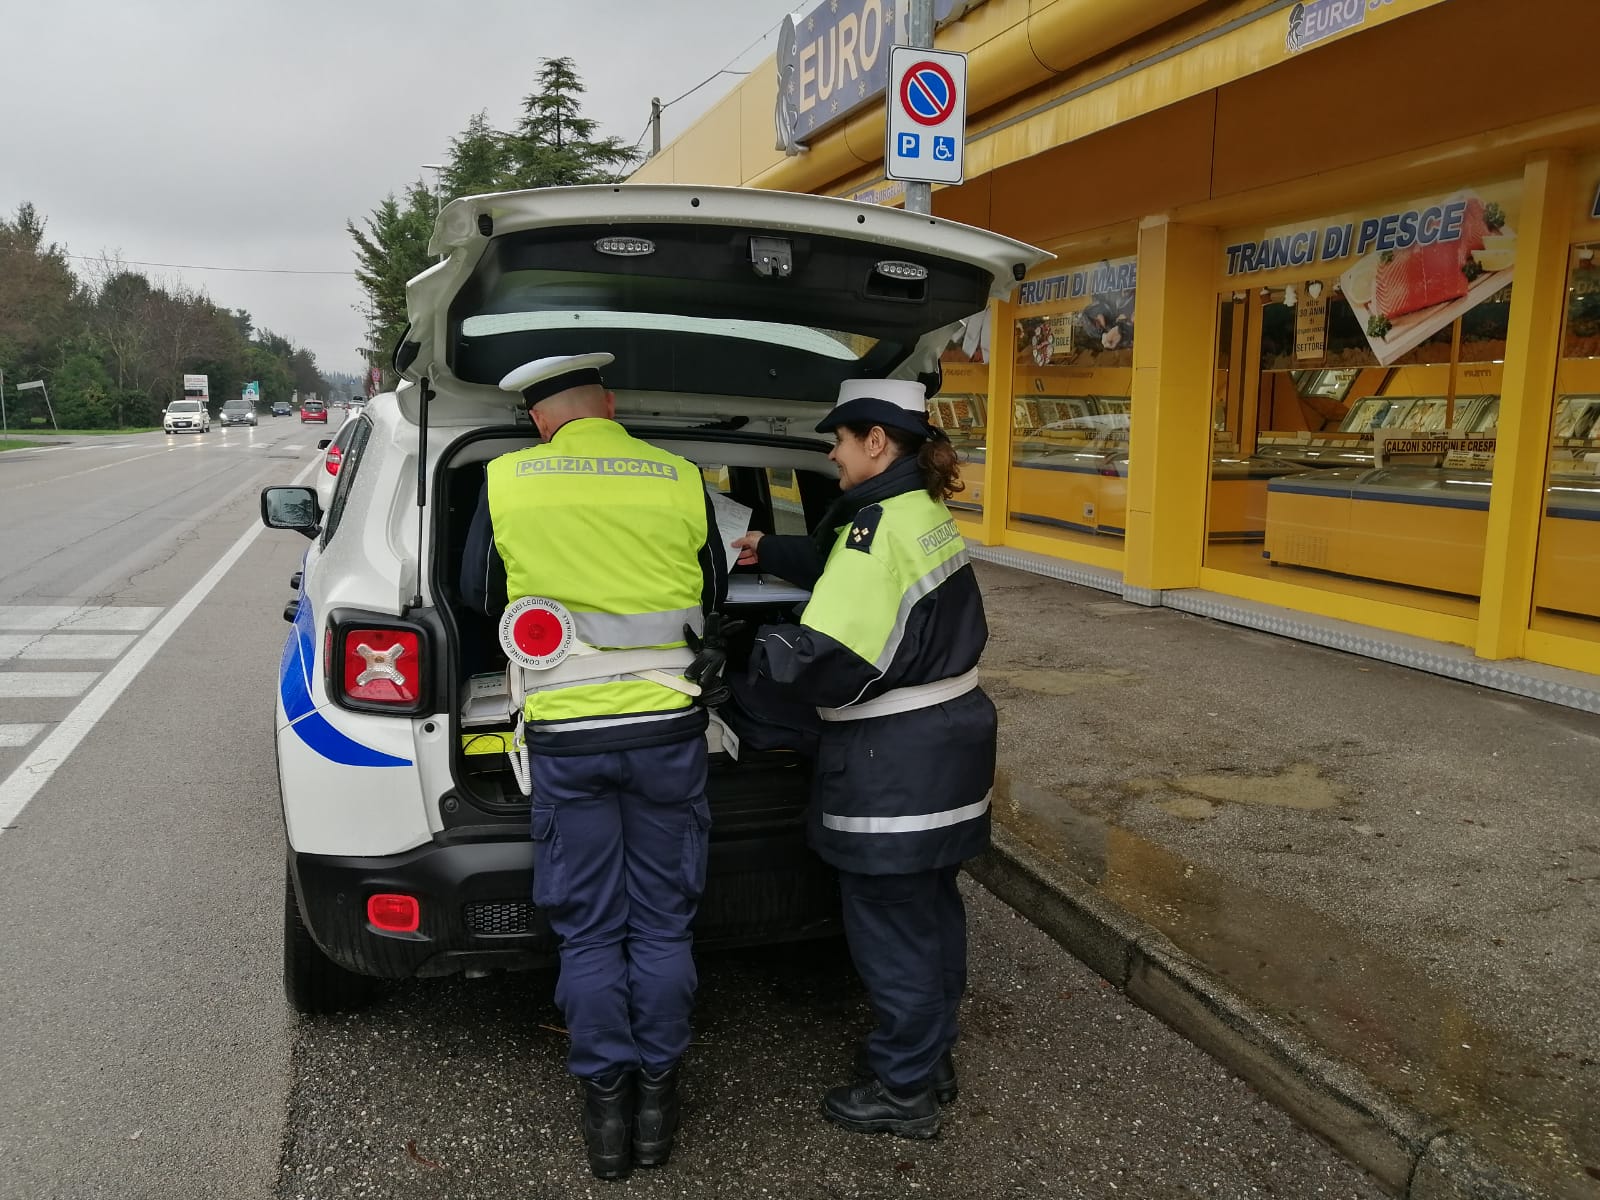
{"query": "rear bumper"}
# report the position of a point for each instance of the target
(476, 912)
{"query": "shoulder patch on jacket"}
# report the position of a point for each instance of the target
(864, 528)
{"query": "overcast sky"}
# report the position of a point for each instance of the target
(234, 134)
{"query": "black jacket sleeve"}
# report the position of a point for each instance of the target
(790, 556)
(713, 564)
(483, 574)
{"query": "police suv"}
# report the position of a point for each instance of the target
(734, 315)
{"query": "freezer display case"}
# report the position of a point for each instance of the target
(1568, 577)
(1351, 446)
(1578, 419)
(1419, 526)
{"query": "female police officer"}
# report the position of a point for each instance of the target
(887, 649)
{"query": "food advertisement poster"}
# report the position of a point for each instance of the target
(1089, 317)
(1406, 270)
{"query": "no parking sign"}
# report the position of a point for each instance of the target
(927, 115)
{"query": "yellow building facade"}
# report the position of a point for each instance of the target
(1323, 327)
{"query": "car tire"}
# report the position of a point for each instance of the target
(312, 982)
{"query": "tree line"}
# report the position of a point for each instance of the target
(552, 144)
(112, 347)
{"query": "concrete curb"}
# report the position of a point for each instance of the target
(1411, 1154)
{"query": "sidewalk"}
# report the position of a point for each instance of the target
(1373, 892)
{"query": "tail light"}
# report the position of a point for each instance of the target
(394, 913)
(371, 667)
(331, 462)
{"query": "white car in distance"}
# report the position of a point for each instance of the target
(186, 416)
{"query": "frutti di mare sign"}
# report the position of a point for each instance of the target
(835, 61)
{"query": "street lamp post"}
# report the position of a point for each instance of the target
(438, 173)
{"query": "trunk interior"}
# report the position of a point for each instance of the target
(761, 793)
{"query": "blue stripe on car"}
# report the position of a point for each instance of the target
(312, 728)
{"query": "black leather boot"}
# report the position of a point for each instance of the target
(608, 1124)
(866, 1106)
(655, 1121)
(945, 1087)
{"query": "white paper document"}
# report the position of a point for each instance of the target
(733, 521)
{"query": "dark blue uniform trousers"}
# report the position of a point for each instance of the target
(908, 937)
(620, 843)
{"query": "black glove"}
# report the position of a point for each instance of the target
(711, 658)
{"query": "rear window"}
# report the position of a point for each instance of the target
(688, 310)
(313, 406)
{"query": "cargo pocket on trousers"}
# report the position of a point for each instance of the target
(696, 847)
(549, 872)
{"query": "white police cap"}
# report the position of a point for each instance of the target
(899, 403)
(545, 377)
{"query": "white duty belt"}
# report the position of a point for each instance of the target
(540, 639)
(541, 643)
(906, 699)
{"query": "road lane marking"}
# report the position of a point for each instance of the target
(82, 617)
(13, 736)
(64, 645)
(23, 784)
(44, 685)
(121, 462)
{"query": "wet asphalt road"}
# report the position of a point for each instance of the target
(456, 1089)
(146, 1052)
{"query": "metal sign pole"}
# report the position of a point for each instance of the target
(4, 428)
(919, 196)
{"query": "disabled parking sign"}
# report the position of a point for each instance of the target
(927, 115)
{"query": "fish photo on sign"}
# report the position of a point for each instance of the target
(1422, 268)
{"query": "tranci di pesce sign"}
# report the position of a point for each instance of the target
(835, 61)
(1325, 243)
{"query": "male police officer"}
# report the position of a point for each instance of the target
(621, 535)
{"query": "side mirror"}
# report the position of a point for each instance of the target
(324, 443)
(291, 508)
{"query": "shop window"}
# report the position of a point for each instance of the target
(1351, 461)
(961, 410)
(1072, 405)
(1566, 587)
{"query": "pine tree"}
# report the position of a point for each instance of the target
(477, 159)
(554, 144)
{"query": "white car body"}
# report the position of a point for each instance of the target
(388, 801)
(186, 416)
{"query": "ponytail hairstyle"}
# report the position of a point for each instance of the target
(936, 457)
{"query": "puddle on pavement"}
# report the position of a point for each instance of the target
(1536, 1111)
(1300, 786)
(1045, 682)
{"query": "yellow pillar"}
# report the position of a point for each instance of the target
(997, 437)
(1174, 357)
(1538, 307)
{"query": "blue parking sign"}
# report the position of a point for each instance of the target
(911, 145)
(944, 149)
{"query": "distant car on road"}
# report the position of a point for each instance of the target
(281, 408)
(182, 415)
(313, 410)
(237, 412)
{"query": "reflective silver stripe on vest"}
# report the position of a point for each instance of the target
(923, 587)
(920, 824)
(586, 723)
(637, 629)
(906, 699)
